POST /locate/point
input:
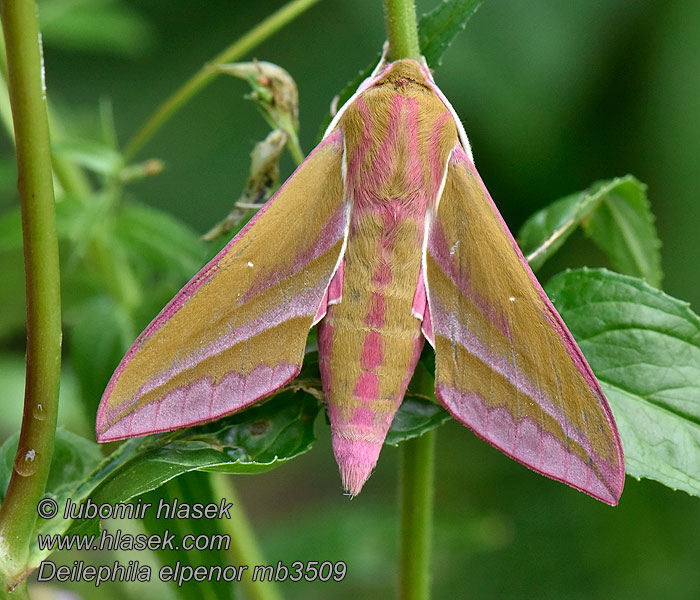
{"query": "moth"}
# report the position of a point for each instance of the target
(384, 237)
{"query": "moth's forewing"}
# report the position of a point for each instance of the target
(506, 365)
(236, 332)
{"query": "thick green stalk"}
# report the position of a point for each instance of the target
(401, 29)
(206, 74)
(417, 455)
(33, 460)
(244, 545)
(417, 479)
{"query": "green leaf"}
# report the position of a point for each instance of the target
(547, 230)
(419, 412)
(415, 416)
(13, 374)
(644, 348)
(95, 25)
(436, 30)
(439, 27)
(74, 459)
(101, 330)
(14, 311)
(617, 217)
(94, 156)
(155, 240)
(253, 441)
(345, 94)
(11, 230)
(191, 488)
(623, 227)
(8, 166)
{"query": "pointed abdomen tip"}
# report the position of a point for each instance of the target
(356, 460)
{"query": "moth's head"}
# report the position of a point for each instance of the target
(407, 77)
(403, 73)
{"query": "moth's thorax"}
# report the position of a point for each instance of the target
(398, 137)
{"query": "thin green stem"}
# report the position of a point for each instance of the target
(206, 74)
(33, 460)
(417, 475)
(69, 175)
(244, 545)
(401, 29)
(295, 149)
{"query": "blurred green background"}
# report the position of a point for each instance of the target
(553, 95)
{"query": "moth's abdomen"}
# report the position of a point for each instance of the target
(398, 136)
(369, 343)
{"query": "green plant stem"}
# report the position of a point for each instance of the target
(401, 29)
(417, 455)
(295, 149)
(417, 477)
(33, 460)
(244, 545)
(69, 175)
(206, 74)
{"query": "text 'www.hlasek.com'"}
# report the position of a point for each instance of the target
(179, 572)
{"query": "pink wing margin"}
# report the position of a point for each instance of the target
(506, 365)
(236, 332)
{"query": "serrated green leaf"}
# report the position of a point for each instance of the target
(439, 27)
(617, 217)
(253, 441)
(644, 348)
(547, 230)
(623, 227)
